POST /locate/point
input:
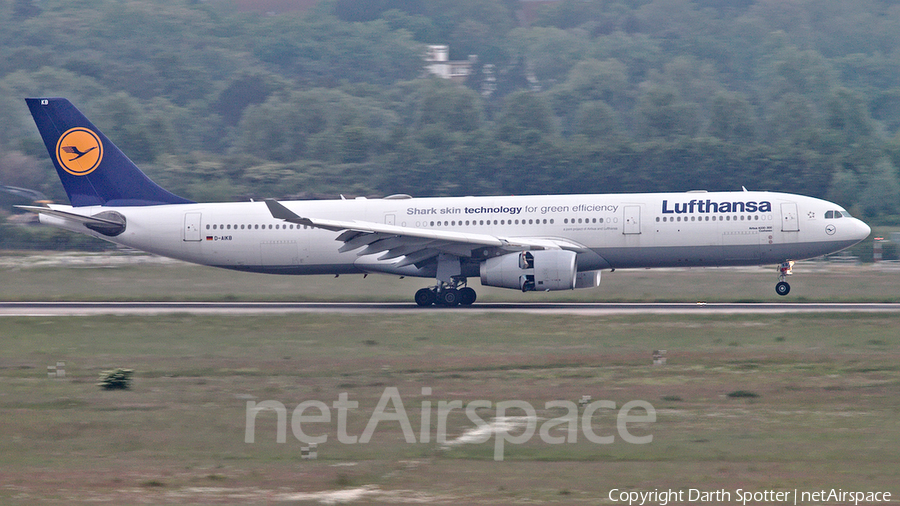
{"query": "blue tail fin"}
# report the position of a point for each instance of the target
(92, 169)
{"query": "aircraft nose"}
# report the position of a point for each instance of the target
(862, 230)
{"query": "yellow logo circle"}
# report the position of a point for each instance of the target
(79, 151)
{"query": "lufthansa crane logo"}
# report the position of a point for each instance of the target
(79, 151)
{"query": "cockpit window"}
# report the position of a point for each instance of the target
(830, 215)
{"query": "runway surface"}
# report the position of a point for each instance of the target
(241, 308)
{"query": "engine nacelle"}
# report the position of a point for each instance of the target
(531, 270)
(587, 279)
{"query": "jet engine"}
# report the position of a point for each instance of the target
(531, 270)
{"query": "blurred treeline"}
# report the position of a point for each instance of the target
(591, 96)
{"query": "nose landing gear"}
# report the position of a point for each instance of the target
(784, 270)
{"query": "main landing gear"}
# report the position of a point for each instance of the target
(446, 294)
(784, 270)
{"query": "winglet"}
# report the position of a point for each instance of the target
(279, 212)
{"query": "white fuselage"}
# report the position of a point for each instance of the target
(617, 230)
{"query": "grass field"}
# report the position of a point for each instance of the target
(824, 413)
(813, 405)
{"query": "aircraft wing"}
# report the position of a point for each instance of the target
(415, 244)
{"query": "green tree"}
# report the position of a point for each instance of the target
(592, 81)
(848, 116)
(731, 118)
(526, 118)
(246, 88)
(551, 52)
(845, 188)
(449, 106)
(122, 118)
(597, 122)
(790, 119)
(661, 113)
(279, 128)
(881, 194)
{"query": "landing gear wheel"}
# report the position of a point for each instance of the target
(782, 288)
(425, 297)
(449, 297)
(467, 296)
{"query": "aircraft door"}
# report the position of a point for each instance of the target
(192, 226)
(390, 219)
(632, 220)
(789, 220)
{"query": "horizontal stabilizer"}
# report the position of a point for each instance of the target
(108, 223)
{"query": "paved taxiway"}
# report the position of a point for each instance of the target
(220, 308)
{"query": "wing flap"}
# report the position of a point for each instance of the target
(419, 256)
(361, 239)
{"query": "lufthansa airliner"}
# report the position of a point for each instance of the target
(538, 242)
